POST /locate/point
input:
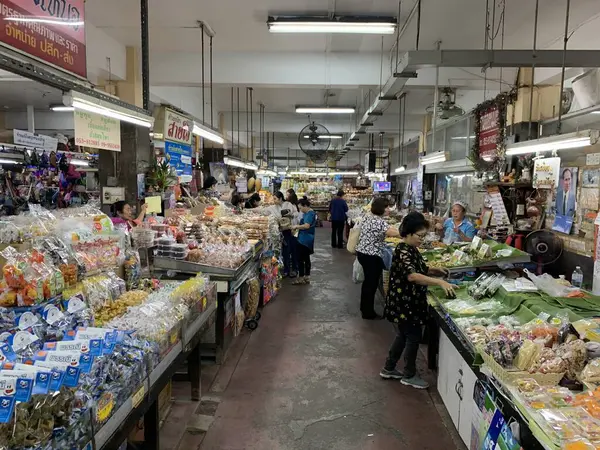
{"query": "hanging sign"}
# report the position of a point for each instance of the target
(39, 141)
(180, 157)
(96, 131)
(177, 128)
(49, 30)
(545, 173)
(489, 133)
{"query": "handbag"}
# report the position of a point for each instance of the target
(353, 239)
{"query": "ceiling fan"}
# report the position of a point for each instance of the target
(447, 107)
(315, 140)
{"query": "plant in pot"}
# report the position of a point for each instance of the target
(160, 176)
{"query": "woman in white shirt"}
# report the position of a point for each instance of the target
(369, 252)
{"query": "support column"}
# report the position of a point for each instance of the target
(130, 90)
(30, 118)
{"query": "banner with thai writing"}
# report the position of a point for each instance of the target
(50, 30)
(489, 133)
(178, 128)
(96, 131)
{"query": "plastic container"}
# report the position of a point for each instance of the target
(577, 277)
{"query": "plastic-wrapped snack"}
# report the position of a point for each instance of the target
(560, 397)
(574, 353)
(558, 425)
(526, 385)
(528, 355)
(591, 372)
(579, 444)
(133, 269)
(590, 427)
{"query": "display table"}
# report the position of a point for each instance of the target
(144, 402)
(229, 283)
(459, 378)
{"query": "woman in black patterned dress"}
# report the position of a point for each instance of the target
(406, 302)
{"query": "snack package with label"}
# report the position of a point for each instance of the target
(558, 426)
(589, 426)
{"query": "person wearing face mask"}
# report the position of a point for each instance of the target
(406, 301)
(457, 228)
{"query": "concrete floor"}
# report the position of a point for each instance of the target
(307, 378)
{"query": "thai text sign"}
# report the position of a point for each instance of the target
(489, 133)
(50, 30)
(178, 128)
(96, 131)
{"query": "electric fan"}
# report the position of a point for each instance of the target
(544, 247)
(314, 140)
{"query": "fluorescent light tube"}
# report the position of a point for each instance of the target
(79, 162)
(61, 108)
(400, 169)
(267, 172)
(9, 161)
(332, 27)
(48, 21)
(325, 136)
(98, 106)
(435, 157)
(457, 138)
(325, 110)
(234, 162)
(349, 174)
(560, 142)
(207, 133)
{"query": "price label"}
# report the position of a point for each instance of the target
(484, 251)
(138, 396)
(475, 243)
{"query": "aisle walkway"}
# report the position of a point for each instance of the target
(308, 379)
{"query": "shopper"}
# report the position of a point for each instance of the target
(337, 210)
(369, 251)
(286, 210)
(123, 214)
(238, 203)
(306, 241)
(253, 201)
(406, 302)
(209, 188)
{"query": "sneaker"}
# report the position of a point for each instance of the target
(306, 280)
(391, 374)
(293, 275)
(416, 382)
(298, 281)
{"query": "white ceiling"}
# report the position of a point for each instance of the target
(287, 70)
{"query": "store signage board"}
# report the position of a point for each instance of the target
(39, 141)
(178, 128)
(498, 207)
(241, 183)
(546, 173)
(48, 39)
(96, 131)
(489, 133)
(180, 157)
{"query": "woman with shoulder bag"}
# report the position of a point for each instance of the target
(369, 252)
(306, 240)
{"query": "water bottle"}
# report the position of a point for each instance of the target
(577, 277)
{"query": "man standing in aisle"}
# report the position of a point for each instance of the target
(337, 210)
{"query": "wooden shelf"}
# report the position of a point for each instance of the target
(503, 184)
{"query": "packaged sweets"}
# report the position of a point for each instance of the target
(558, 425)
(527, 385)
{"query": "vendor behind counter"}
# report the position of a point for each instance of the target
(457, 228)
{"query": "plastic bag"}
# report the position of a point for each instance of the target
(549, 285)
(358, 274)
(387, 256)
(353, 238)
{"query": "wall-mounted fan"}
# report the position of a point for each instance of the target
(447, 107)
(315, 140)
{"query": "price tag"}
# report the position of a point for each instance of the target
(484, 251)
(476, 242)
(457, 257)
(138, 396)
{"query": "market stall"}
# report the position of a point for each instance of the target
(521, 349)
(87, 344)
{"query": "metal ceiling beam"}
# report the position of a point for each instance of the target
(414, 60)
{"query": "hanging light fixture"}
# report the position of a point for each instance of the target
(567, 141)
(337, 24)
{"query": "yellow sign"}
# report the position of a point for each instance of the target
(154, 204)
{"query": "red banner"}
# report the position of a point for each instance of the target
(50, 30)
(489, 132)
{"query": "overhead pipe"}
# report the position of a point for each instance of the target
(252, 121)
(238, 120)
(562, 74)
(232, 143)
(407, 22)
(211, 82)
(535, 29)
(145, 54)
(202, 42)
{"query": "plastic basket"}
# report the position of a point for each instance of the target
(507, 376)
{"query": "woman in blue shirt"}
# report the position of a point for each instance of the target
(306, 240)
(457, 228)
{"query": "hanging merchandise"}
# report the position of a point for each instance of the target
(269, 278)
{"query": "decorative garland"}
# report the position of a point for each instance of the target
(501, 101)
